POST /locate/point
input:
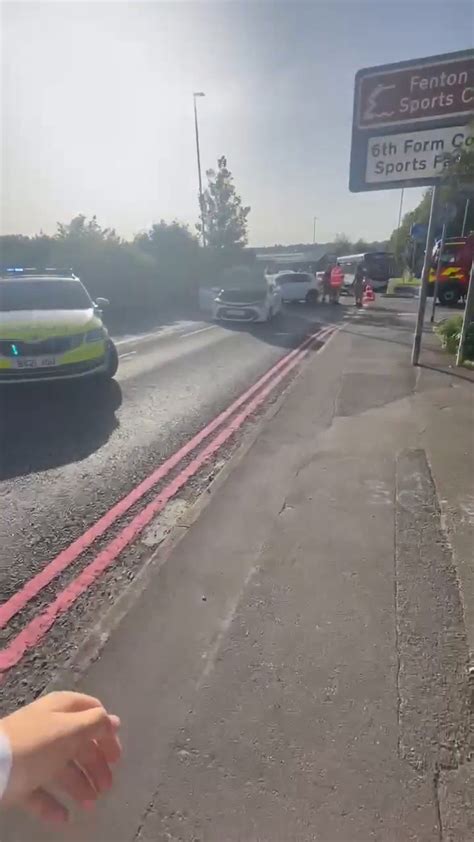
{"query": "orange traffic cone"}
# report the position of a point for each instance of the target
(369, 295)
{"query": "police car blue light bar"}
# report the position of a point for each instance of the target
(8, 271)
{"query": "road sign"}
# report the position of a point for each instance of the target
(408, 118)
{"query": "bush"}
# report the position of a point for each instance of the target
(469, 343)
(162, 268)
(450, 333)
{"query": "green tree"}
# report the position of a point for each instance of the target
(164, 239)
(18, 250)
(400, 242)
(342, 245)
(225, 218)
(175, 251)
(361, 246)
(79, 228)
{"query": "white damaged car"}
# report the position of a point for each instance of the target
(244, 297)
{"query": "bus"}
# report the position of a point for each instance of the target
(379, 266)
(312, 261)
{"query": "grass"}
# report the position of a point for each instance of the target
(404, 281)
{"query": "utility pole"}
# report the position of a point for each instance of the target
(438, 271)
(198, 154)
(468, 315)
(435, 196)
(314, 229)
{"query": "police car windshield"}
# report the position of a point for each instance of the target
(43, 295)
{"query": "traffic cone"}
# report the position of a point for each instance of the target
(369, 295)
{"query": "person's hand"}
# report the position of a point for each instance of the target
(66, 741)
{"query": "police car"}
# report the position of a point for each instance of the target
(50, 329)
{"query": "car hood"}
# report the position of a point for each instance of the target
(35, 325)
(241, 298)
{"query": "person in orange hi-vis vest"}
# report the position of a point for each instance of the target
(337, 280)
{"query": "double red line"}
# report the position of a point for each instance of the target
(35, 629)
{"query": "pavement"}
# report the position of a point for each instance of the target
(296, 665)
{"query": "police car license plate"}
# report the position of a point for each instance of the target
(35, 362)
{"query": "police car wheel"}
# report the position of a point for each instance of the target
(112, 361)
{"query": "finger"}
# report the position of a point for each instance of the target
(110, 745)
(74, 782)
(45, 806)
(94, 763)
(88, 724)
(114, 721)
(67, 701)
(96, 724)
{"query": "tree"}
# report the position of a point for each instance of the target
(79, 228)
(164, 238)
(176, 254)
(342, 245)
(361, 246)
(225, 218)
(19, 250)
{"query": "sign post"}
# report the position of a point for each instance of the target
(408, 119)
(468, 314)
(415, 355)
(448, 214)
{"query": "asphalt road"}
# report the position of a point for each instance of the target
(70, 451)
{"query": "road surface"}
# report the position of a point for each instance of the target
(70, 452)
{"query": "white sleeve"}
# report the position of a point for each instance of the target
(5, 763)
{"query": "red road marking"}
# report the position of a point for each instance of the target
(67, 556)
(36, 629)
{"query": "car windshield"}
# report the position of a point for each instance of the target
(43, 295)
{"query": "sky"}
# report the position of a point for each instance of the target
(97, 108)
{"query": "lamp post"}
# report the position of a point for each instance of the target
(198, 154)
(402, 193)
(314, 228)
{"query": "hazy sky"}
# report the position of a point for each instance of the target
(97, 108)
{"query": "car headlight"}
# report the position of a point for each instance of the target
(96, 335)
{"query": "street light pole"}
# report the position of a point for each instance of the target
(314, 228)
(401, 207)
(198, 154)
